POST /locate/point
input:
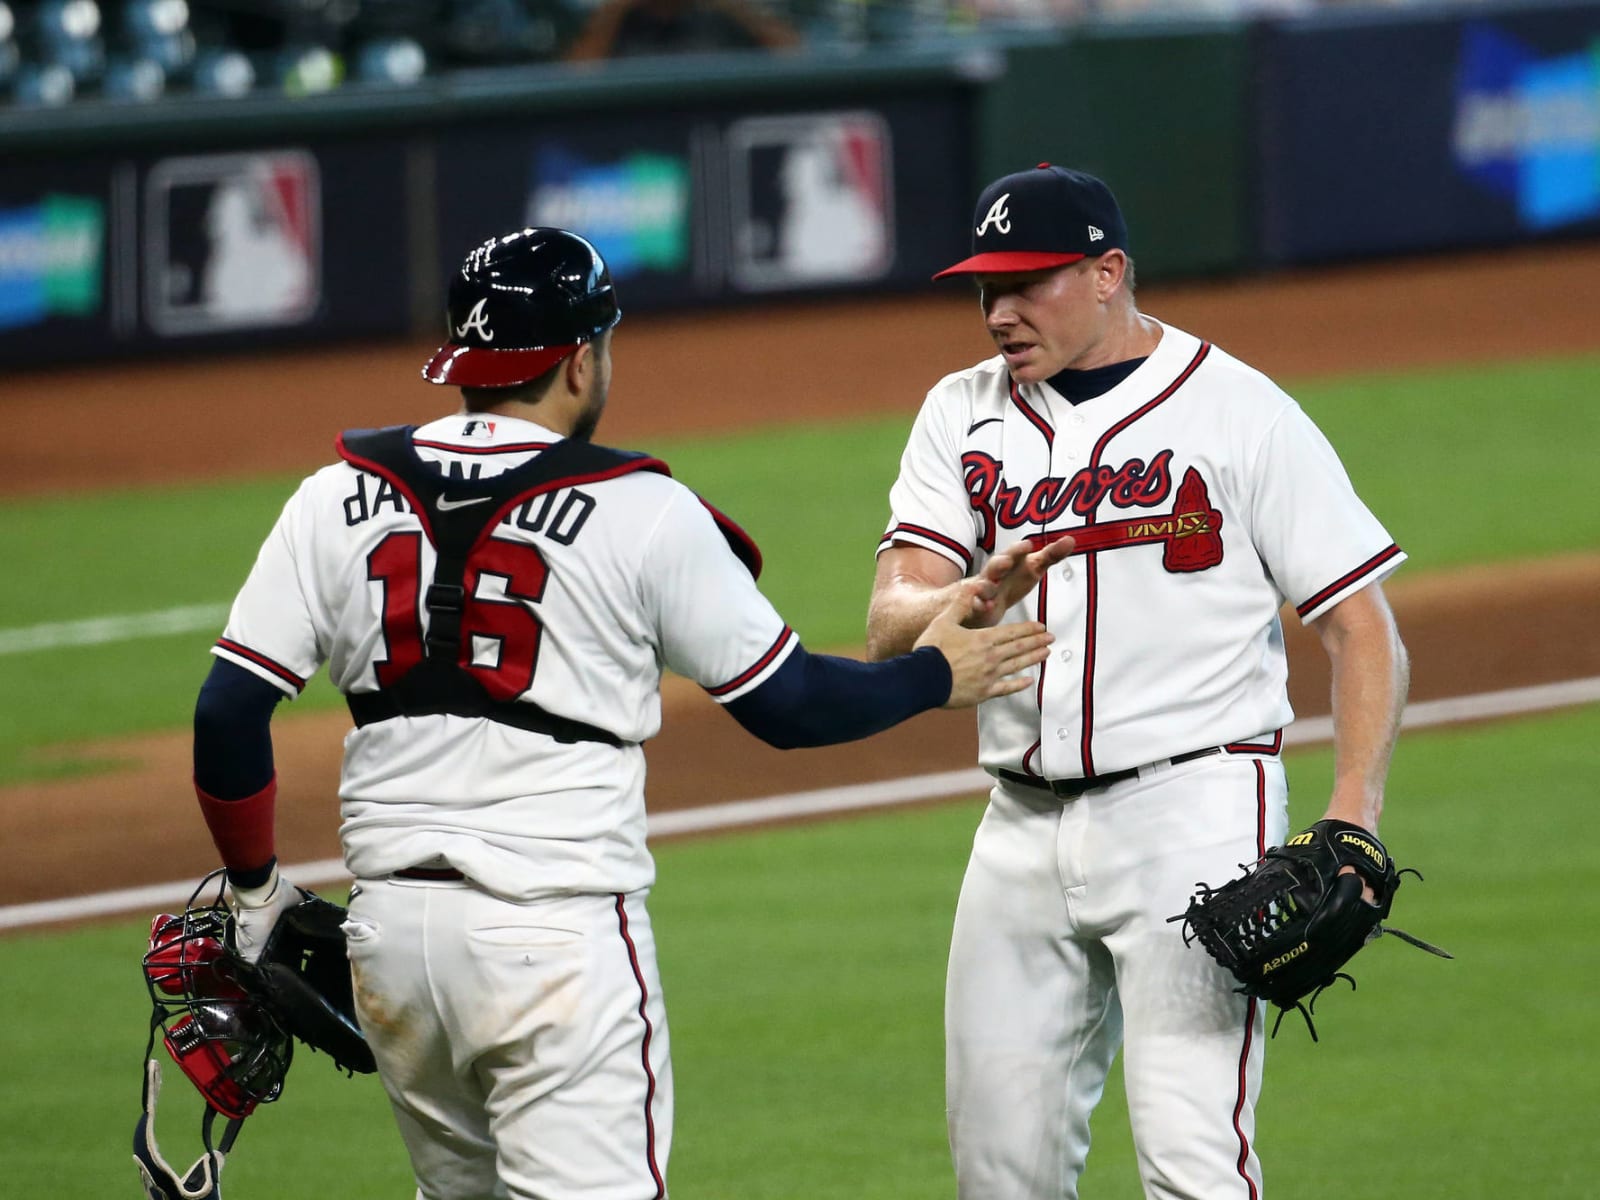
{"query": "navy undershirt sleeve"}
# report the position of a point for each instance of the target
(232, 732)
(820, 699)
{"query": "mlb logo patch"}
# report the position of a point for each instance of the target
(232, 241)
(812, 199)
(483, 430)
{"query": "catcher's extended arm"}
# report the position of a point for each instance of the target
(1287, 926)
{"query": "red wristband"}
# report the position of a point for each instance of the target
(241, 829)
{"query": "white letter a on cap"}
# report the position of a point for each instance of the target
(477, 319)
(999, 216)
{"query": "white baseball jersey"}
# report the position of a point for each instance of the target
(600, 586)
(1203, 498)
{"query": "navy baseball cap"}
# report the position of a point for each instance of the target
(1043, 218)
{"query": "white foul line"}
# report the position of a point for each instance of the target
(824, 801)
(97, 631)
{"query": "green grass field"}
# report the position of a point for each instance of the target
(1451, 461)
(803, 971)
(804, 966)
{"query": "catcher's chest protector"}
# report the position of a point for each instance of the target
(458, 516)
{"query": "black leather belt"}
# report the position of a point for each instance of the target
(1066, 789)
(434, 874)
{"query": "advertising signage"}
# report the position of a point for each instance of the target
(1439, 131)
(704, 206)
(101, 258)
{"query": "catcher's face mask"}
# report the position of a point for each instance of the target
(228, 1046)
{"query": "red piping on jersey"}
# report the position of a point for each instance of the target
(1043, 608)
(1338, 585)
(1038, 421)
(1029, 753)
(511, 448)
(761, 664)
(1183, 377)
(1091, 570)
(261, 660)
(644, 1051)
(1268, 747)
(950, 544)
(743, 545)
(1091, 565)
(1250, 1008)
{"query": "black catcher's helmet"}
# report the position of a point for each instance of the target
(521, 303)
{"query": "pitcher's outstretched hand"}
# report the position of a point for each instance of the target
(1008, 577)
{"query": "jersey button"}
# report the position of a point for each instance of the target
(1061, 735)
(1064, 655)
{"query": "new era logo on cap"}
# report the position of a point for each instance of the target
(1047, 217)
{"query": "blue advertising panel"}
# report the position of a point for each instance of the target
(708, 205)
(57, 284)
(1384, 135)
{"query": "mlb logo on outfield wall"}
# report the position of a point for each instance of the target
(232, 241)
(811, 199)
(51, 256)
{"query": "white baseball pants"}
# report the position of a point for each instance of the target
(523, 1046)
(1062, 952)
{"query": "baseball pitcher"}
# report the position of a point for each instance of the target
(1198, 498)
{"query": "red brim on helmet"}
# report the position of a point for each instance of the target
(999, 262)
(476, 366)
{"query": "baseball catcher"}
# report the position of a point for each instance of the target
(1287, 926)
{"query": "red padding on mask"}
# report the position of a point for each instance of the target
(242, 829)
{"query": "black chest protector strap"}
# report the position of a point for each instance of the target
(455, 513)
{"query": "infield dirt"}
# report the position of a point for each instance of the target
(1471, 630)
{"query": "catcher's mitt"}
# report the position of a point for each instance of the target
(303, 980)
(1291, 921)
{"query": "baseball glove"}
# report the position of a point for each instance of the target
(1288, 924)
(303, 980)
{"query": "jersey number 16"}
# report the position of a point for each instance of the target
(396, 564)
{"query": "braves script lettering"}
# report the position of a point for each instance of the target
(1135, 484)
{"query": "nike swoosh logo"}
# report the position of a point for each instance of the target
(445, 504)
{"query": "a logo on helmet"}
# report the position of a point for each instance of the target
(477, 320)
(999, 216)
